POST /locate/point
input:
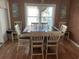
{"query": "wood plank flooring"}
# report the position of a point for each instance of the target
(66, 51)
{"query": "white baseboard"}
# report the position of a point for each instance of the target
(77, 45)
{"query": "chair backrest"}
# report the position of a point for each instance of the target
(37, 37)
(54, 36)
(63, 28)
(17, 29)
(19, 23)
(62, 23)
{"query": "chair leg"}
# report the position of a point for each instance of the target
(42, 53)
(12, 35)
(31, 51)
(57, 52)
(31, 56)
(46, 53)
(56, 56)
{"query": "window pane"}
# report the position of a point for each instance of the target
(44, 19)
(47, 12)
(32, 11)
(49, 22)
(32, 20)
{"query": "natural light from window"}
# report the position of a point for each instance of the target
(39, 18)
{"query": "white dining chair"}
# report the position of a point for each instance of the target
(22, 40)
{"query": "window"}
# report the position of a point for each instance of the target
(40, 16)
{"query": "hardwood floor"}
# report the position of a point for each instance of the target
(66, 51)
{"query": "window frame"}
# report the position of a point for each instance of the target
(47, 5)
